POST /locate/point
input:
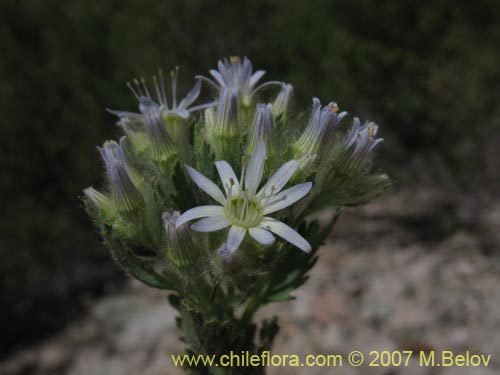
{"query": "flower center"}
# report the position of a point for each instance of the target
(244, 212)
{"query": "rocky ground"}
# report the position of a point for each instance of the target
(416, 270)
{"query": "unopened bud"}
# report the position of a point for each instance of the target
(124, 195)
(162, 146)
(262, 127)
(227, 260)
(224, 124)
(282, 101)
(100, 201)
(180, 245)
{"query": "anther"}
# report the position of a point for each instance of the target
(131, 88)
(332, 106)
(138, 87)
(146, 90)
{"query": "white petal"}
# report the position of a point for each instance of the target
(256, 77)
(265, 84)
(210, 224)
(255, 168)
(245, 75)
(206, 185)
(208, 80)
(234, 237)
(287, 233)
(191, 96)
(262, 236)
(227, 176)
(217, 77)
(197, 212)
(279, 179)
(287, 197)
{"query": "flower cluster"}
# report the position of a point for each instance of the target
(149, 170)
(214, 201)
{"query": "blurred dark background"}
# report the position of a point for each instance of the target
(427, 72)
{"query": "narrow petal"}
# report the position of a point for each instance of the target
(255, 168)
(125, 114)
(234, 238)
(198, 212)
(218, 77)
(211, 82)
(265, 84)
(210, 224)
(201, 106)
(206, 185)
(279, 179)
(227, 176)
(191, 96)
(245, 72)
(287, 197)
(287, 233)
(262, 236)
(256, 77)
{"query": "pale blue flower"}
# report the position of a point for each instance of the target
(174, 109)
(237, 76)
(322, 121)
(361, 139)
(243, 208)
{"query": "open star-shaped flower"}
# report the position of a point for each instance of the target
(237, 76)
(242, 208)
(176, 109)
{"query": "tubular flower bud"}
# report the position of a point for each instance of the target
(162, 146)
(262, 127)
(227, 260)
(180, 246)
(282, 101)
(322, 121)
(125, 196)
(237, 76)
(99, 200)
(361, 139)
(134, 128)
(224, 123)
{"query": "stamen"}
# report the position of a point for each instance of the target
(235, 59)
(371, 132)
(138, 87)
(283, 198)
(162, 86)
(229, 196)
(174, 74)
(242, 177)
(157, 89)
(266, 198)
(131, 88)
(332, 106)
(146, 90)
(245, 207)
